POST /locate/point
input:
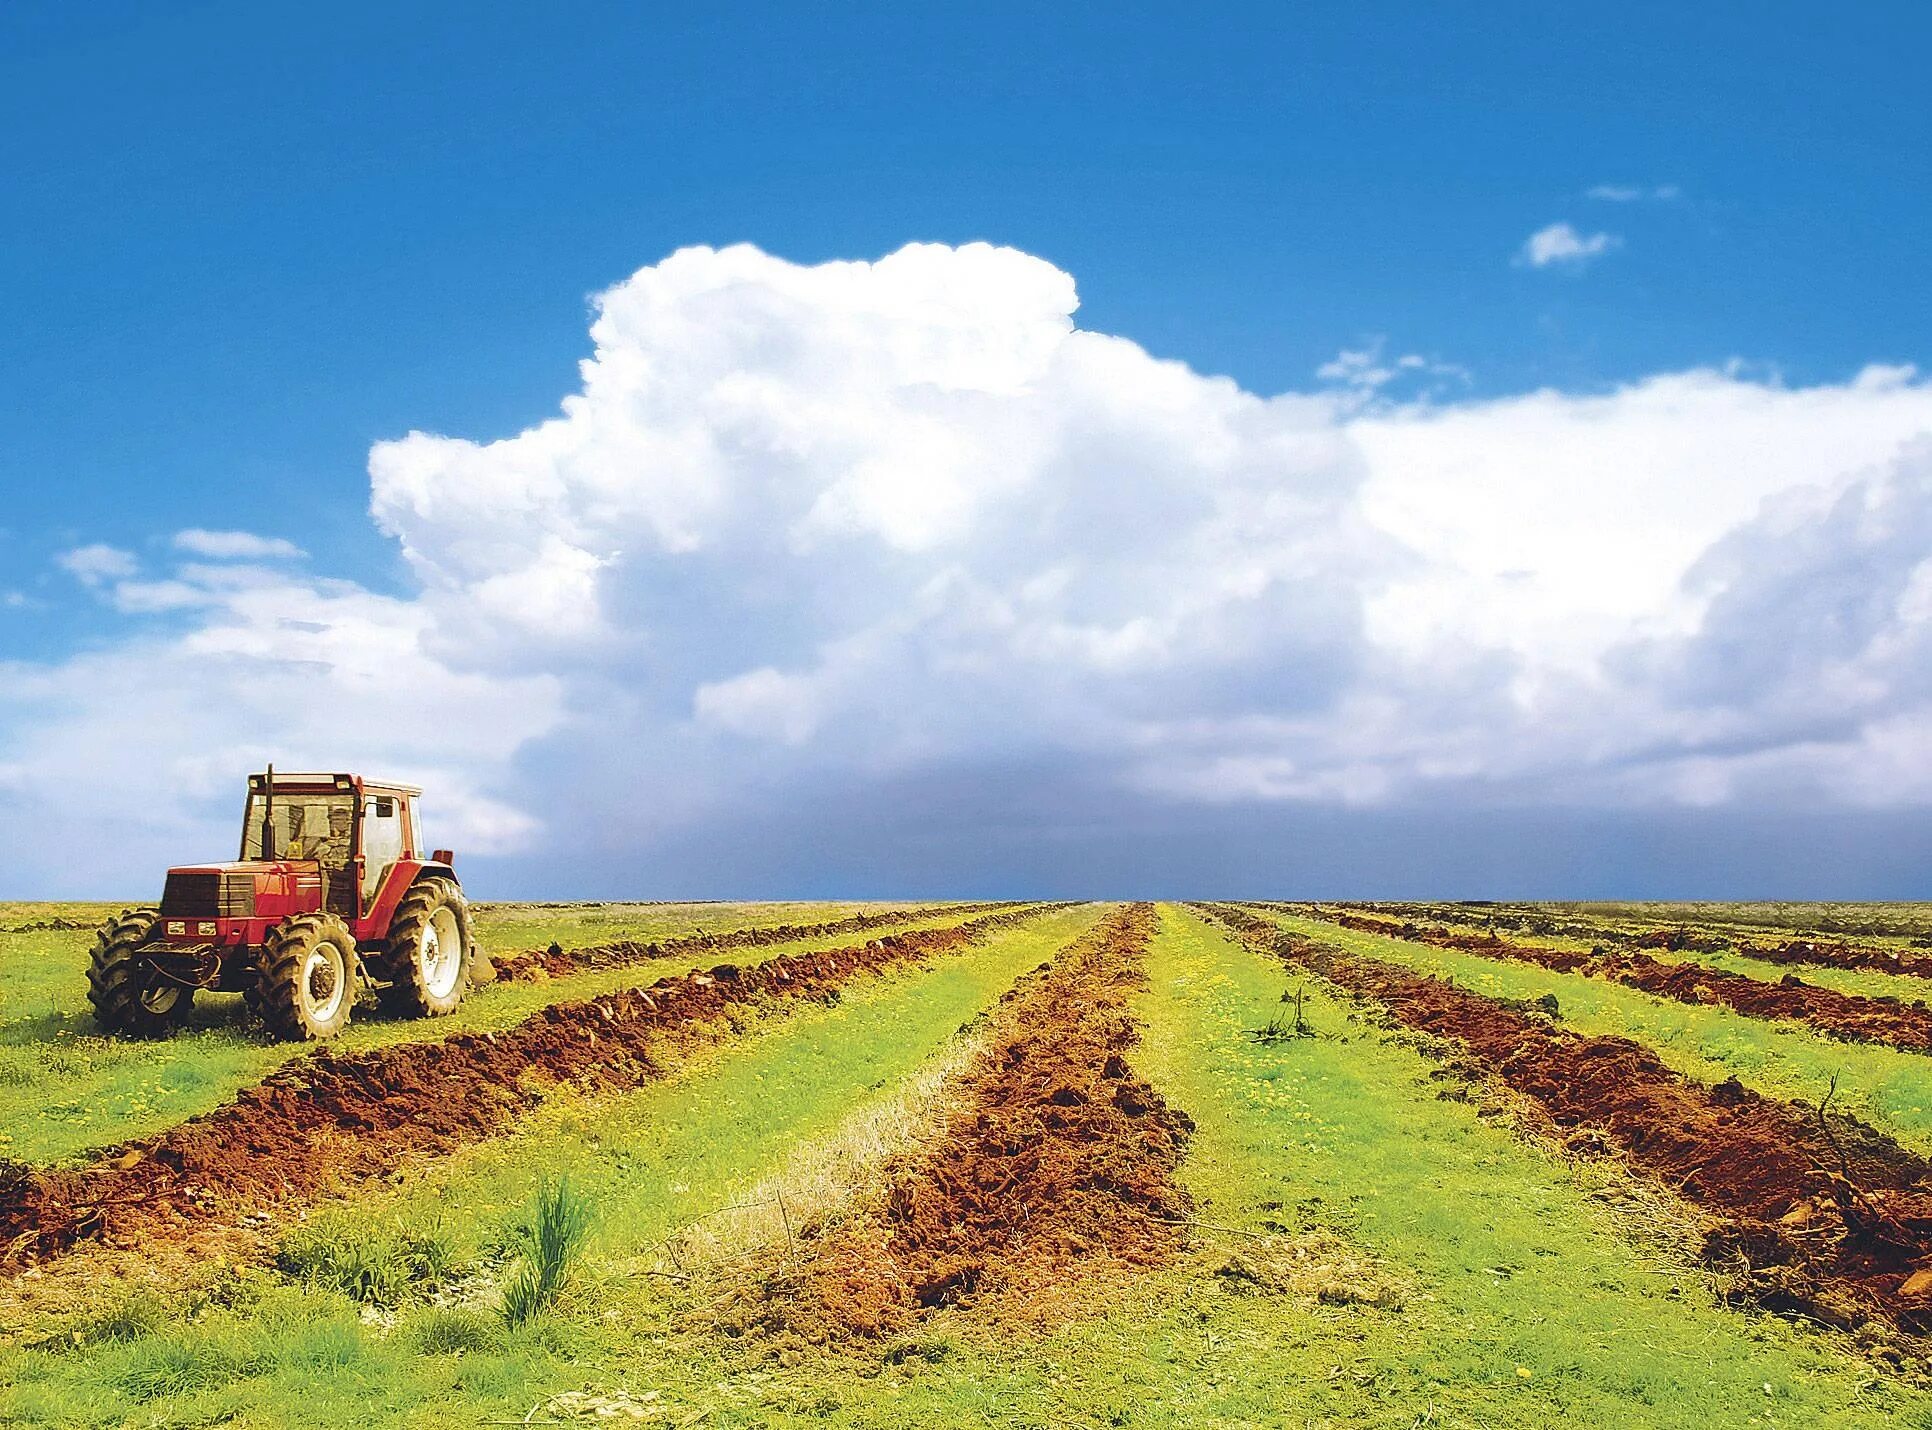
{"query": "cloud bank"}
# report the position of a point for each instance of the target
(830, 543)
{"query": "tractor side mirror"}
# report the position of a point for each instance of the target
(385, 808)
(442, 856)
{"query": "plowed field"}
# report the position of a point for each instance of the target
(998, 1164)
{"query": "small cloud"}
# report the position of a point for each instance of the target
(234, 545)
(1366, 370)
(1632, 193)
(1561, 245)
(98, 562)
(1885, 376)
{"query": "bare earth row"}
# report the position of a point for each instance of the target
(323, 1122)
(1818, 952)
(1818, 1213)
(559, 962)
(1055, 1157)
(1852, 1016)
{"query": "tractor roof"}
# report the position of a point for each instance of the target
(308, 780)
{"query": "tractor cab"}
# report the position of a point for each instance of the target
(329, 859)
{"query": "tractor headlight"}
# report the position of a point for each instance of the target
(176, 926)
(206, 930)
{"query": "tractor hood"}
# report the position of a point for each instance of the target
(242, 889)
(254, 868)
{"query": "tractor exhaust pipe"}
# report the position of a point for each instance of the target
(268, 814)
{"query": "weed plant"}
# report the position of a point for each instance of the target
(559, 1230)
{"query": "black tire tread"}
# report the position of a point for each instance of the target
(273, 994)
(115, 981)
(406, 993)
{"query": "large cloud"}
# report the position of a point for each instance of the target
(885, 525)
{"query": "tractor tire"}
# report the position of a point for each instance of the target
(305, 978)
(430, 953)
(130, 997)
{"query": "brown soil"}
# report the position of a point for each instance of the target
(1055, 1157)
(557, 961)
(322, 1123)
(1823, 1214)
(1820, 953)
(1817, 952)
(1852, 1016)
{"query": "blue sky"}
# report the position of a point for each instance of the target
(241, 245)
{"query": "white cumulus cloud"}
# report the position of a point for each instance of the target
(892, 522)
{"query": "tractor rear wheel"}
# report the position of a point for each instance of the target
(429, 952)
(305, 981)
(129, 994)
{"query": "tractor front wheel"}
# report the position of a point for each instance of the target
(129, 994)
(305, 982)
(429, 951)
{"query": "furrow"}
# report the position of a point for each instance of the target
(1815, 1212)
(1815, 951)
(1056, 1156)
(322, 1123)
(1851, 1016)
(559, 962)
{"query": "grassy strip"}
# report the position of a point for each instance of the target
(1890, 921)
(1869, 982)
(1318, 1136)
(65, 1090)
(651, 1163)
(1523, 1298)
(1888, 1088)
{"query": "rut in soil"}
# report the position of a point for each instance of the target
(1812, 1211)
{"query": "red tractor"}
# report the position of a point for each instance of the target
(331, 893)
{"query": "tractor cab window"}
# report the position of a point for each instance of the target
(382, 842)
(303, 826)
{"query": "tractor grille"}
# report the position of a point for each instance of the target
(209, 896)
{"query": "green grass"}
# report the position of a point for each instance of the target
(649, 1163)
(1378, 1257)
(1889, 1088)
(1870, 983)
(1891, 921)
(1524, 1300)
(65, 1090)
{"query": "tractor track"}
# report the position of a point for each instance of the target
(1813, 1212)
(1853, 1017)
(323, 1123)
(1055, 1155)
(559, 962)
(1815, 951)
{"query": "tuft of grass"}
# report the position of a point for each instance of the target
(129, 1319)
(454, 1330)
(162, 1367)
(559, 1229)
(370, 1269)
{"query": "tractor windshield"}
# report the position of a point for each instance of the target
(304, 826)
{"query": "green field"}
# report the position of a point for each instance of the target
(1373, 1240)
